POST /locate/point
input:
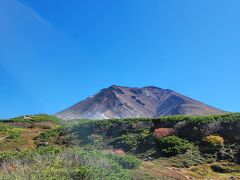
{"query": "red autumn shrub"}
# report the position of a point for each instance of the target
(119, 152)
(162, 132)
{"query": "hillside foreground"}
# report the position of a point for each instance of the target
(174, 147)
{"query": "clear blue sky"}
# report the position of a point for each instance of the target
(54, 53)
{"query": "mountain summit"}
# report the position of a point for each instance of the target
(126, 102)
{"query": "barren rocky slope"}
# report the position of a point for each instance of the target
(125, 102)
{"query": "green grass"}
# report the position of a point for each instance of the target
(49, 135)
(9, 132)
(37, 118)
(51, 163)
(26, 131)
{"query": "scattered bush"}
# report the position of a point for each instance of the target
(126, 161)
(48, 135)
(52, 163)
(214, 140)
(14, 134)
(10, 132)
(225, 167)
(95, 138)
(128, 141)
(81, 173)
(201, 170)
(212, 144)
(172, 145)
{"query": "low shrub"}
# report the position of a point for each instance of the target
(128, 141)
(126, 161)
(14, 134)
(225, 167)
(173, 145)
(214, 140)
(81, 173)
(36, 118)
(56, 163)
(162, 132)
(49, 135)
(212, 144)
(118, 152)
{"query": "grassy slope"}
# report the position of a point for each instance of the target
(23, 132)
(135, 136)
(21, 158)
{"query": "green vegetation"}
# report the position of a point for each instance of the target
(45, 147)
(50, 135)
(125, 161)
(176, 141)
(14, 133)
(129, 141)
(26, 132)
(137, 135)
(36, 118)
(51, 163)
(173, 145)
(32, 148)
(9, 132)
(214, 140)
(225, 167)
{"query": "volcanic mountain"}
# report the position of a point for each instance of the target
(126, 102)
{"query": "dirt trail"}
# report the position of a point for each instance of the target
(161, 171)
(166, 172)
(28, 135)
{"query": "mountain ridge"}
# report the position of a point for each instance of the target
(126, 102)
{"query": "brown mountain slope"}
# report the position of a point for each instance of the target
(125, 102)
